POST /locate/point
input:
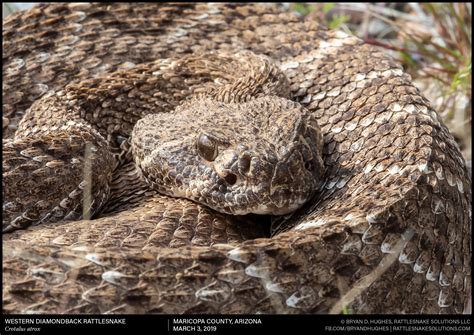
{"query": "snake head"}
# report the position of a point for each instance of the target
(262, 156)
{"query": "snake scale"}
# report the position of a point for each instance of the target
(394, 192)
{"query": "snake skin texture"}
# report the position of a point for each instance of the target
(395, 186)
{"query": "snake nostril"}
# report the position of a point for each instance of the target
(244, 163)
(230, 179)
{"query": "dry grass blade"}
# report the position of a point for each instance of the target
(366, 281)
(87, 200)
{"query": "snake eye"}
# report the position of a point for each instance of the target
(207, 147)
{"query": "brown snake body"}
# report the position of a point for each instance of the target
(395, 191)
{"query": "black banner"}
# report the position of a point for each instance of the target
(250, 324)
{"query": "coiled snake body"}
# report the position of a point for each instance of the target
(387, 226)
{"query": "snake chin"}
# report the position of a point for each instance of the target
(289, 206)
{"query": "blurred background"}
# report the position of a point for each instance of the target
(431, 40)
(10, 7)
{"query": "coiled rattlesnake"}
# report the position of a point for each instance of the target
(395, 186)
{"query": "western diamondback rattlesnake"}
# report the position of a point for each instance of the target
(395, 186)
